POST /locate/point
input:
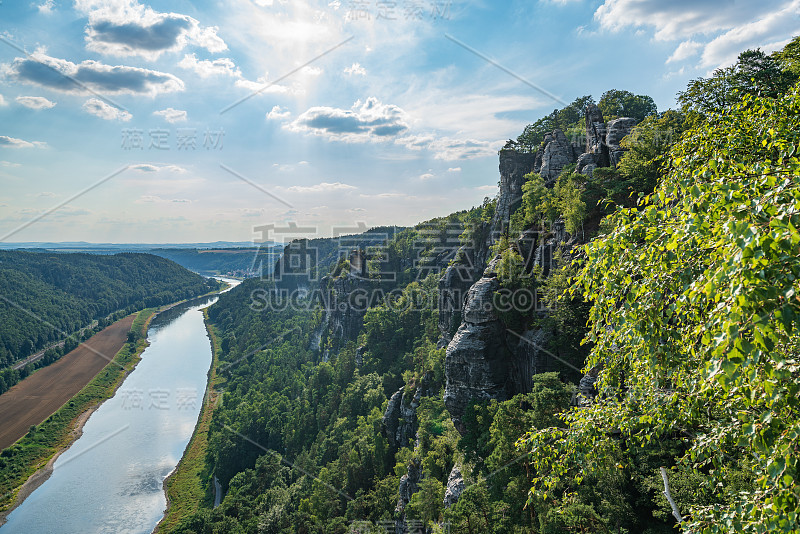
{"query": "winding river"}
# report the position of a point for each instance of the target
(110, 479)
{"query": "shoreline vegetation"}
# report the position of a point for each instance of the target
(28, 463)
(185, 487)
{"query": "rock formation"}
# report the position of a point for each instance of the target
(399, 421)
(346, 311)
(455, 282)
(558, 153)
(455, 487)
(513, 168)
(409, 484)
(476, 362)
(596, 135)
(616, 130)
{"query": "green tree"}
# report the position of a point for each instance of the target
(617, 103)
(754, 73)
(426, 503)
(789, 56)
(646, 145)
(694, 322)
(570, 204)
(569, 116)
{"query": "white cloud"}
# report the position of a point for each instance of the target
(226, 67)
(685, 50)
(672, 74)
(12, 142)
(311, 71)
(487, 188)
(355, 70)
(150, 167)
(448, 148)
(731, 26)
(9, 164)
(443, 107)
(770, 32)
(681, 19)
(98, 108)
(35, 102)
(278, 113)
(171, 115)
(46, 8)
(454, 169)
(3, 101)
(41, 69)
(427, 176)
(321, 188)
(369, 120)
(263, 86)
(206, 68)
(127, 28)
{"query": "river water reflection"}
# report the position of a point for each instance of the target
(110, 480)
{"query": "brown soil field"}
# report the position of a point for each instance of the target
(37, 397)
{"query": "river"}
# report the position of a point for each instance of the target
(110, 479)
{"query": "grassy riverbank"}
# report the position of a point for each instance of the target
(31, 453)
(189, 485)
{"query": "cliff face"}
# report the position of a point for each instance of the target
(462, 274)
(513, 168)
(484, 360)
(399, 423)
(476, 363)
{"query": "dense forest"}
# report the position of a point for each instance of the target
(49, 297)
(221, 261)
(668, 340)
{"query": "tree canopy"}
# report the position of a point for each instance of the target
(694, 324)
(616, 103)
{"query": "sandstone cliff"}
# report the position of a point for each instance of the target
(484, 359)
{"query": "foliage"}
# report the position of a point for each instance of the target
(29, 453)
(789, 56)
(543, 205)
(563, 119)
(48, 297)
(694, 321)
(616, 103)
(645, 145)
(755, 73)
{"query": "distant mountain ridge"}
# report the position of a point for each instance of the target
(86, 246)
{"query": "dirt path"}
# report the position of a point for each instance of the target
(34, 399)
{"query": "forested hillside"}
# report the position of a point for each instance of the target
(221, 261)
(44, 297)
(627, 303)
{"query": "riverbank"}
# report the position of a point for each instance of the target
(28, 463)
(34, 399)
(187, 487)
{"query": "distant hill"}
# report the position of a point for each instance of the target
(83, 246)
(224, 261)
(43, 295)
(233, 258)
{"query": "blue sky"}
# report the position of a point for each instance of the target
(198, 121)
